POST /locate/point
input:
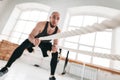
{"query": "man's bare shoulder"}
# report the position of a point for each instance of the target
(41, 25)
(42, 22)
(59, 30)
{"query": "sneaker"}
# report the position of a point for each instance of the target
(52, 78)
(3, 71)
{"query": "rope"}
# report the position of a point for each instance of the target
(96, 54)
(106, 24)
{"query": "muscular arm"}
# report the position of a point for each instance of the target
(55, 43)
(34, 32)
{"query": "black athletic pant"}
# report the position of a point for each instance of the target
(45, 46)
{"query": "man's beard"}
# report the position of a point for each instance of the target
(52, 26)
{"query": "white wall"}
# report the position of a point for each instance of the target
(5, 12)
(2, 7)
(2, 4)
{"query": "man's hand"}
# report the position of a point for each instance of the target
(36, 41)
(54, 48)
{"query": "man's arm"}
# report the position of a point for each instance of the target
(55, 43)
(34, 32)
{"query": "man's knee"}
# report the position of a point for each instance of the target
(54, 49)
(55, 55)
(30, 49)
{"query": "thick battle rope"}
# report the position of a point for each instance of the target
(96, 54)
(106, 24)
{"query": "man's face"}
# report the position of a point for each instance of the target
(54, 18)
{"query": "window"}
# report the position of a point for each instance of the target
(99, 42)
(72, 55)
(85, 48)
(89, 20)
(73, 39)
(76, 21)
(23, 19)
(25, 23)
(103, 39)
(70, 45)
(87, 39)
(34, 15)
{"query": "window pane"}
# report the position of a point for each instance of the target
(70, 45)
(84, 58)
(76, 21)
(5, 37)
(20, 26)
(72, 55)
(89, 20)
(25, 15)
(85, 48)
(101, 61)
(16, 34)
(7, 30)
(100, 50)
(72, 39)
(43, 16)
(24, 36)
(20, 41)
(29, 27)
(34, 15)
(14, 40)
(64, 53)
(87, 39)
(103, 39)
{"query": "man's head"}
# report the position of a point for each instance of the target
(54, 18)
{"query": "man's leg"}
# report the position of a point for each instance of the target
(16, 54)
(30, 49)
(45, 47)
(53, 65)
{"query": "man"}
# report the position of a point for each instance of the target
(45, 28)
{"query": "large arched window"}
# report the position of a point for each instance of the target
(94, 42)
(97, 42)
(25, 23)
(23, 19)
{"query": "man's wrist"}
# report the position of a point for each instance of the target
(54, 45)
